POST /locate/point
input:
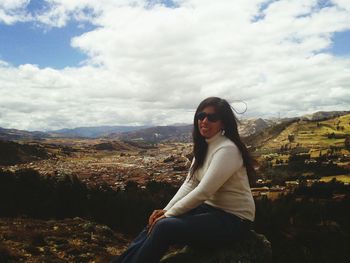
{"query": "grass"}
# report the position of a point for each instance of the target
(311, 134)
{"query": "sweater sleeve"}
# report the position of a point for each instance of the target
(225, 162)
(187, 186)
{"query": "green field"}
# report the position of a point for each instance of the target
(312, 134)
(341, 178)
(320, 141)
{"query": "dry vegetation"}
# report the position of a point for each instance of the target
(69, 240)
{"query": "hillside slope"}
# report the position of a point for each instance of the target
(13, 153)
(312, 134)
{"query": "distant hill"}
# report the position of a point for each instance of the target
(157, 134)
(14, 134)
(323, 115)
(93, 132)
(183, 133)
(13, 153)
(271, 132)
(176, 132)
(304, 133)
(247, 127)
(80, 132)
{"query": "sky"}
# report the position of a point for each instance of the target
(66, 64)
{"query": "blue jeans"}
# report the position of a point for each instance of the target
(202, 226)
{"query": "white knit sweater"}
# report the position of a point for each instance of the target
(221, 182)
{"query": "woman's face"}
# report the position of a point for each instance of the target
(206, 127)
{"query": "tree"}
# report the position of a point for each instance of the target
(347, 142)
(291, 137)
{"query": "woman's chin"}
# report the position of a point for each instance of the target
(205, 134)
(202, 133)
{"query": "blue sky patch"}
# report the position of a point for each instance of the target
(260, 14)
(166, 3)
(24, 43)
(36, 6)
(324, 3)
(341, 44)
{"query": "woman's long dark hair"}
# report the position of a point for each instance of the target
(229, 120)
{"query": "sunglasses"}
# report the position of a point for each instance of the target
(212, 117)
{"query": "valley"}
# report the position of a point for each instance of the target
(292, 156)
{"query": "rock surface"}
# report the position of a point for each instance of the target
(58, 241)
(254, 248)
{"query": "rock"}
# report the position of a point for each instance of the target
(180, 168)
(104, 231)
(169, 159)
(253, 248)
(89, 226)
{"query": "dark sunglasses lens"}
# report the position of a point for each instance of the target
(201, 116)
(213, 117)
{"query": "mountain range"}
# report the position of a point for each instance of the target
(176, 132)
(93, 132)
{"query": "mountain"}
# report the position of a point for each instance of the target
(14, 153)
(79, 132)
(247, 127)
(93, 132)
(304, 133)
(14, 134)
(183, 133)
(323, 115)
(176, 132)
(157, 134)
(259, 138)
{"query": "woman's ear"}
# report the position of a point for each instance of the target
(222, 129)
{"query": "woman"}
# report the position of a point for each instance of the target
(214, 205)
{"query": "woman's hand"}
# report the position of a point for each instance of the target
(155, 216)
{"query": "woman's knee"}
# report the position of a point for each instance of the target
(162, 225)
(166, 227)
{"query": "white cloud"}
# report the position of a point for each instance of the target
(154, 64)
(13, 4)
(342, 4)
(59, 12)
(12, 11)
